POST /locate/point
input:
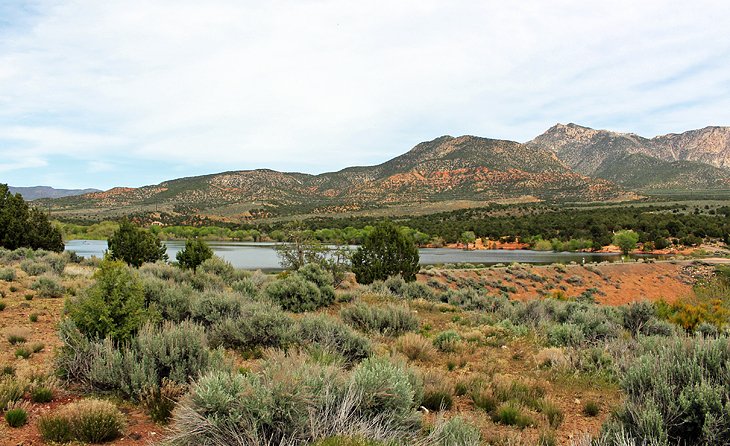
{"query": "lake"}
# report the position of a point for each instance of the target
(248, 255)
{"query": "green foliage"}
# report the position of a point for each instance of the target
(23, 352)
(55, 428)
(135, 246)
(21, 226)
(41, 395)
(159, 401)
(458, 432)
(385, 252)
(177, 352)
(388, 388)
(295, 293)
(258, 325)
(677, 392)
(113, 306)
(196, 251)
(391, 320)
(511, 414)
(447, 341)
(334, 336)
(626, 240)
(48, 287)
(16, 417)
(93, 421)
(7, 274)
(591, 408)
(34, 267)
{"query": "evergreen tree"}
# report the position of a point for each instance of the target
(135, 245)
(21, 226)
(385, 252)
(196, 251)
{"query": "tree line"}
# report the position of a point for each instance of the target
(24, 227)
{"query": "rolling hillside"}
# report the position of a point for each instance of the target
(444, 170)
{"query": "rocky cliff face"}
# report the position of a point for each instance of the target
(692, 159)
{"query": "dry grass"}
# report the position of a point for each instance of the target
(415, 347)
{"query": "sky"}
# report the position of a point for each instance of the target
(129, 93)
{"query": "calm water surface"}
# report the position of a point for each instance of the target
(263, 256)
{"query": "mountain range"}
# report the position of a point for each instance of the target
(567, 163)
(36, 192)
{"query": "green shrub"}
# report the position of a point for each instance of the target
(552, 412)
(213, 307)
(57, 262)
(447, 341)
(16, 335)
(55, 428)
(47, 287)
(113, 306)
(387, 388)
(23, 352)
(159, 401)
(33, 268)
(178, 352)
(418, 290)
(296, 294)
(28, 296)
(334, 336)
(2, 306)
(16, 417)
(218, 267)
(258, 325)
(637, 315)
(386, 251)
(94, 421)
(246, 286)
(457, 432)
(390, 321)
(41, 395)
(591, 408)
(196, 251)
(511, 414)
(33, 317)
(7, 274)
(677, 392)
(565, 335)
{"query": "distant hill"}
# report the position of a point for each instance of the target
(447, 169)
(697, 159)
(36, 192)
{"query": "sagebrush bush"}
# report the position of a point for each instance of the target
(34, 268)
(212, 307)
(218, 267)
(246, 286)
(415, 347)
(418, 290)
(48, 287)
(565, 335)
(296, 294)
(637, 315)
(456, 432)
(291, 401)
(333, 335)
(391, 320)
(388, 388)
(178, 352)
(258, 325)
(447, 341)
(677, 392)
(56, 262)
(7, 274)
(113, 306)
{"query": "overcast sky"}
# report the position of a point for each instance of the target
(127, 93)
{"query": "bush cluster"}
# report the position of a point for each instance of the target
(391, 320)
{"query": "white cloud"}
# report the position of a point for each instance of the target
(325, 84)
